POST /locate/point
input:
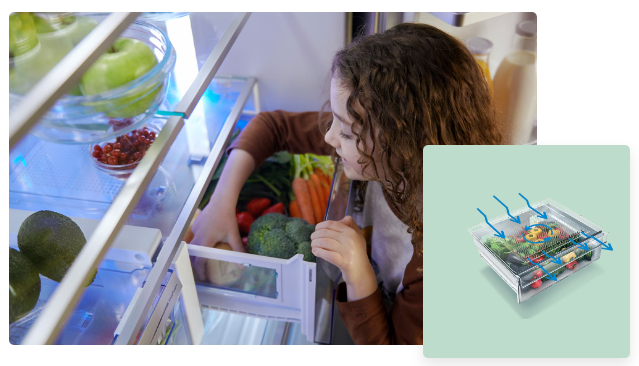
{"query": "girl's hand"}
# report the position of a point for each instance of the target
(342, 244)
(213, 227)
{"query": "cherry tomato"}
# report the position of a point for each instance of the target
(538, 273)
(536, 284)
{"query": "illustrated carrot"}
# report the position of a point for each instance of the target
(315, 202)
(294, 209)
(300, 189)
(320, 192)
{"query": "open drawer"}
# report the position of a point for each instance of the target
(526, 259)
(285, 290)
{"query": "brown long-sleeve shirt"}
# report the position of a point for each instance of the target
(366, 319)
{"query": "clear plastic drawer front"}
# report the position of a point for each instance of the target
(273, 288)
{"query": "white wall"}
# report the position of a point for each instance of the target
(289, 53)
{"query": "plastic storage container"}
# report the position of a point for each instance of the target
(78, 119)
(528, 246)
(516, 85)
(480, 48)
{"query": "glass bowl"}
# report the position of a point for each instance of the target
(92, 118)
(121, 172)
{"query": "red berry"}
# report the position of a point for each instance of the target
(112, 160)
(141, 139)
(97, 154)
(116, 153)
(124, 156)
(97, 148)
(107, 148)
(117, 146)
(147, 141)
(152, 134)
(137, 155)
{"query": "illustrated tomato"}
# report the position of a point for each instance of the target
(538, 273)
(571, 265)
(536, 259)
(536, 284)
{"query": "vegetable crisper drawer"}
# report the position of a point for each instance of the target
(248, 284)
(526, 259)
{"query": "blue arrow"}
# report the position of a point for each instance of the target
(528, 227)
(605, 246)
(542, 215)
(555, 260)
(583, 245)
(550, 276)
(523, 235)
(516, 220)
(500, 235)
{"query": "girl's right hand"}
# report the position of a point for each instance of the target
(211, 228)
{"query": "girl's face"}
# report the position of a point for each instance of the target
(341, 136)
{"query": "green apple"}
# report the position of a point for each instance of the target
(127, 60)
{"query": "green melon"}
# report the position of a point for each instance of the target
(52, 242)
(24, 285)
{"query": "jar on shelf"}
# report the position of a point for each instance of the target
(480, 48)
(515, 85)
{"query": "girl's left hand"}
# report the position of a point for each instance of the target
(342, 244)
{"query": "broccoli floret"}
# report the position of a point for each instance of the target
(299, 230)
(261, 226)
(305, 249)
(276, 244)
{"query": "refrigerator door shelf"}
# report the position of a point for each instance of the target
(520, 276)
(253, 285)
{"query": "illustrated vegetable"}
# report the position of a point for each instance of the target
(244, 222)
(536, 230)
(555, 233)
(276, 208)
(275, 235)
(531, 237)
(568, 257)
(257, 206)
(536, 284)
(539, 273)
(571, 265)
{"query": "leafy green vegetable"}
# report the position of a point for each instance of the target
(270, 180)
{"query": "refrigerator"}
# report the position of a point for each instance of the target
(141, 288)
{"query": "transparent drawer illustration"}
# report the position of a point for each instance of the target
(538, 250)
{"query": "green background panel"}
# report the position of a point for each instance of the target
(469, 311)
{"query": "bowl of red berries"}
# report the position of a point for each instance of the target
(119, 157)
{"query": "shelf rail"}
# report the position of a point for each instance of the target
(65, 75)
(47, 327)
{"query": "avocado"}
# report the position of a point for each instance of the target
(24, 285)
(51, 241)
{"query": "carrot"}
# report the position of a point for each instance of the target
(294, 209)
(317, 211)
(300, 189)
(320, 192)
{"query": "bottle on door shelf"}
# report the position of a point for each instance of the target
(515, 86)
(480, 49)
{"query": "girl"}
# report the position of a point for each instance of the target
(391, 95)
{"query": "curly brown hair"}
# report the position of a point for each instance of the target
(411, 86)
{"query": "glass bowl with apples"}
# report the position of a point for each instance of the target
(119, 156)
(120, 92)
